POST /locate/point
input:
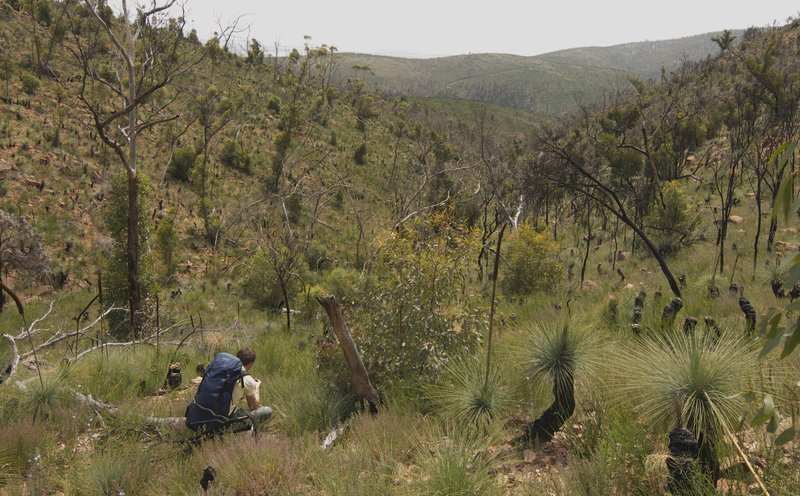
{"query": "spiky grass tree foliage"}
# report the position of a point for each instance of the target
(464, 394)
(707, 377)
(554, 352)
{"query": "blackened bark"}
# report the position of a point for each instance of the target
(552, 420)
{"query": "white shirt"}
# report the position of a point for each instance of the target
(251, 386)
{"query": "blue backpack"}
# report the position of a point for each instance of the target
(211, 405)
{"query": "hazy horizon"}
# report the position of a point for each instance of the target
(439, 29)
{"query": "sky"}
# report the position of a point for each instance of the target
(431, 28)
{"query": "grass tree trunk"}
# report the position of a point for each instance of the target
(553, 419)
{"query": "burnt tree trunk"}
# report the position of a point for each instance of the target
(358, 373)
(588, 243)
(758, 224)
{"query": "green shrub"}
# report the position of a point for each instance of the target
(344, 283)
(182, 163)
(457, 462)
(533, 264)
(260, 285)
(418, 311)
(116, 289)
(110, 473)
(235, 156)
(274, 105)
(30, 83)
(294, 207)
(166, 244)
(675, 227)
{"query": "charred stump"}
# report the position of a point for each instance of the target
(749, 313)
(174, 377)
(689, 324)
(777, 288)
(683, 453)
(638, 306)
(671, 310)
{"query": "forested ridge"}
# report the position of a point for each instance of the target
(444, 296)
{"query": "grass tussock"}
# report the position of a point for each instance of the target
(467, 395)
(456, 460)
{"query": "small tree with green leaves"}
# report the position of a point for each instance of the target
(724, 40)
(116, 290)
(167, 244)
(30, 83)
(533, 263)
(677, 225)
(182, 163)
(418, 313)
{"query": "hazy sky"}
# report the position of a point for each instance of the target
(446, 27)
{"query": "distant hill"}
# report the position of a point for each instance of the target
(547, 84)
(645, 58)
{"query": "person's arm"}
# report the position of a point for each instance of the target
(253, 399)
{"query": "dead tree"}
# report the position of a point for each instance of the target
(358, 372)
(149, 54)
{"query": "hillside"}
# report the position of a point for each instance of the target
(547, 84)
(645, 58)
(543, 304)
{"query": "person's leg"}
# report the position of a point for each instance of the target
(262, 413)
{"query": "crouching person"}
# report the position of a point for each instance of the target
(248, 389)
(226, 382)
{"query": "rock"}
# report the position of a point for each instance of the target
(789, 230)
(735, 219)
(529, 456)
(588, 285)
(629, 286)
(623, 255)
(785, 246)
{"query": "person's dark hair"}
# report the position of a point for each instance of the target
(246, 355)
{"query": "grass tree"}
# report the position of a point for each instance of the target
(465, 395)
(707, 377)
(554, 352)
